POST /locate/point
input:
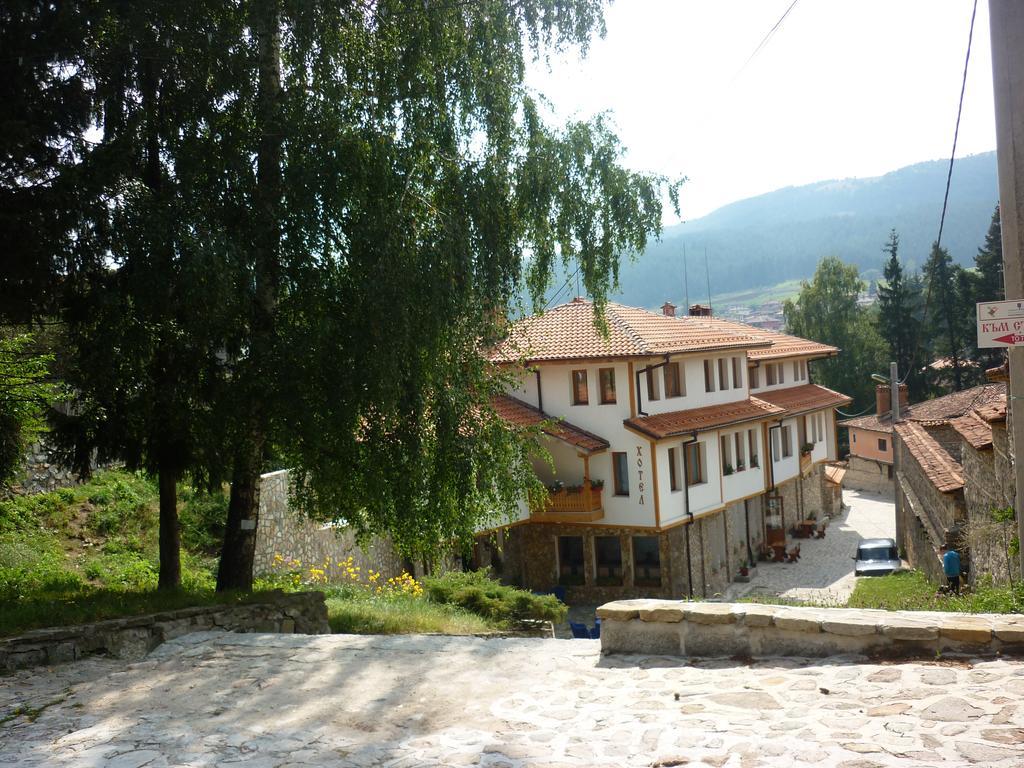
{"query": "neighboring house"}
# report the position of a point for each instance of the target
(680, 446)
(870, 440)
(954, 467)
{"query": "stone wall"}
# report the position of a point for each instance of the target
(283, 531)
(677, 628)
(918, 544)
(868, 475)
(40, 473)
(134, 637)
(946, 511)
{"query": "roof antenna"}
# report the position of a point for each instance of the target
(578, 282)
(707, 274)
(686, 280)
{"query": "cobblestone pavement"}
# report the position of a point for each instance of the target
(824, 572)
(286, 701)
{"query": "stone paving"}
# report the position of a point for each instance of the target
(824, 572)
(286, 701)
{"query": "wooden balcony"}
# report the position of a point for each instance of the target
(805, 462)
(572, 505)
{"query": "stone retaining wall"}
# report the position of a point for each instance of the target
(133, 637)
(868, 475)
(285, 532)
(680, 628)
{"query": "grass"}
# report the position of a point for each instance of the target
(356, 614)
(911, 591)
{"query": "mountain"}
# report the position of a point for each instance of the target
(782, 235)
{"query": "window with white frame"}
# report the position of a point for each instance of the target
(726, 447)
(753, 443)
(709, 375)
(755, 379)
(723, 374)
(737, 372)
(653, 389)
(741, 459)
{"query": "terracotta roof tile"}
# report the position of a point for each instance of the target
(998, 373)
(567, 332)
(944, 473)
(516, 412)
(805, 398)
(993, 411)
(782, 344)
(674, 423)
(973, 429)
(835, 474)
(936, 411)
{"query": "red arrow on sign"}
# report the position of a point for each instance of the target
(1010, 338)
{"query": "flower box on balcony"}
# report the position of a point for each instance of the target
(581, 502)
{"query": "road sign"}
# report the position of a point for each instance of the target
(1000, 324)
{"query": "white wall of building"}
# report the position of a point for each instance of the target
(786, 364)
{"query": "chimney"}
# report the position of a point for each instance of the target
(700, 310)
(668, 309)
(883, 399)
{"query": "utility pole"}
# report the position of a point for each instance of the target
(1006, 21)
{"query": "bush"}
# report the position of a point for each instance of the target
(477, 592)
(123, 570)
(202, 516)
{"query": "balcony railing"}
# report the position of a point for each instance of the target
(581, 502)
(805, 462)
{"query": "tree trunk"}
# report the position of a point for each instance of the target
(243, 508)
(170, 534)
(236, 559)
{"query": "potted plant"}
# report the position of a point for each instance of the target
(597, 485)
(806, 447)
(727, 469)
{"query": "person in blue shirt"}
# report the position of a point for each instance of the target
(951, 567)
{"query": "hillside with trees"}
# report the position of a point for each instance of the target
(782, 235)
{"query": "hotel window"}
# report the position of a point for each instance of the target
(646, 561)
(696, 472)
(803, 369)
(709, 375)
(725, 445)
(882, 445)
(796, 370)
(608, 559)
(579, 388)
(752, 443)
(821, 425)
(570, 560)
(787, 442)
(754, 378)
(673, 471)
(769, 374)
(607, 377)
(737, 372)
(723, 373)
(673, 381)
(620, 469)
(741, 461)
(652, 385)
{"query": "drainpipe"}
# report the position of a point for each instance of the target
(686, 501)
(639, 401)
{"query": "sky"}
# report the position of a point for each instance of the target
(844, 88)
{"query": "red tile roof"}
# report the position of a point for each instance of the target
(674, 423)
(805, 398)
(521, 414)
(937, 465)
(782, 344)
(994, 410)
(567, 332)
(973, 429)
(934, 412)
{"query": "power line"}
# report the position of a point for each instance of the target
(949, 173)
(764, 40)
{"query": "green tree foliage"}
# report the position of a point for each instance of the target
(898, 323)
(827, 311)
(25, 394)
(949, 324)
(988, 263)
(305, 223)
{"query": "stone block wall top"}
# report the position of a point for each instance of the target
(752, 629)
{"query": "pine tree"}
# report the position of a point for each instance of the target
(989, 263)
(948, 322)
(896, 301)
